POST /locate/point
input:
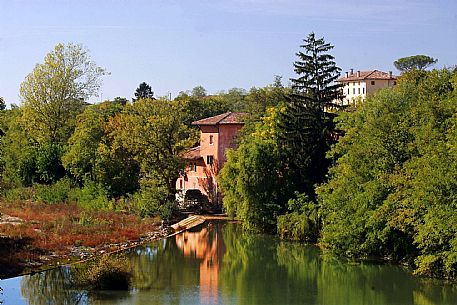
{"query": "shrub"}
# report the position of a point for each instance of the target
(54, 193)
(151, 201)
(302, 223)
(19, 193)
(92, 196)
(296, 226)
(105, 273)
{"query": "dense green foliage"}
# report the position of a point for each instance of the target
(249, 181)
(93, 155)
(302, 222)
(392, 191)
(284, 155)
(418, 62)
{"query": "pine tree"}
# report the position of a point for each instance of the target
(317, 73)
(143, 91)
(305, 125)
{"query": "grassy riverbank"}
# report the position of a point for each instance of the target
(34, 234)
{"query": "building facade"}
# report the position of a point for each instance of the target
(217, 134)
(361, 84)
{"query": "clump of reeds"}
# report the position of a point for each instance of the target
(108, 272)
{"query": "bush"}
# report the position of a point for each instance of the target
(151, 201)
(105, 273)
(54, 193)
(295, 226)
(19, 193)
(92, 196)
(302, 223)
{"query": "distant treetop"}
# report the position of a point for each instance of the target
(143, 91)
(2, 103)
(418, 62)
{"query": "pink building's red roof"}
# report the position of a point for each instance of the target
(193, 154)
(225, 118)
(364, 75)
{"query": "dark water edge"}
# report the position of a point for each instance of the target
(217, 263)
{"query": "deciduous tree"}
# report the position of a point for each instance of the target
(154, 133)
(251, 179)
(54, 92)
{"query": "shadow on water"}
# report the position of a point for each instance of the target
(217, 263)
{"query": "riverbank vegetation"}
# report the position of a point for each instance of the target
(36, 233)
(392, 189)
(386, 188)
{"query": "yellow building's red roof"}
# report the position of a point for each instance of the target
(367, 75)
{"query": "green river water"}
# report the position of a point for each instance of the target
(217, 263)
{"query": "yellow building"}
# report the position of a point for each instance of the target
(364, 83)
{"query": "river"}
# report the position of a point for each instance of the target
(217, 263)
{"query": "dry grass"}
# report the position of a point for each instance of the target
(56, 229)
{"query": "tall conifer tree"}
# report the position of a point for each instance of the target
(304, 126)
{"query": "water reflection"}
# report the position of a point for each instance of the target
(206, 246)
(52, 287)
(219, 264)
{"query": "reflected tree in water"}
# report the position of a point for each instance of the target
(51, 287)
(251, 272)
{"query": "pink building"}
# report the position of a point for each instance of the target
(203, 162)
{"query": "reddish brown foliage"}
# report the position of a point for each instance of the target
(57, 228)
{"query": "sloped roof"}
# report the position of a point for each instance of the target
(193, 154)
(225, 118)
(367, 75)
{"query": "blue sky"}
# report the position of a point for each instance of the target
(219, 44)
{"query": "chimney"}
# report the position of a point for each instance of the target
(390, 74)
(352, 71)
(347, 74)
(358, 73)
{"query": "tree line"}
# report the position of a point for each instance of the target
(114, 154)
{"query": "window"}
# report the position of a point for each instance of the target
(359, 90)
(363, 90)
(180, 184)
(372, 82)
(348, 90)
(193, 166)
(211, 140)
(209, 159)
(353, 91)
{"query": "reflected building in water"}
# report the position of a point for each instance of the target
(206, 245)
